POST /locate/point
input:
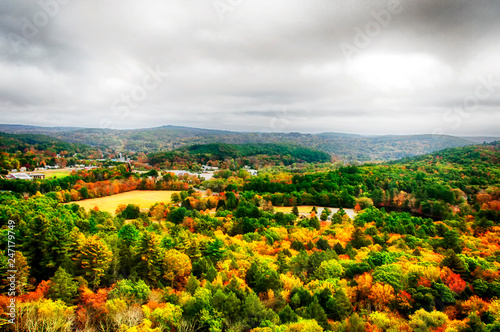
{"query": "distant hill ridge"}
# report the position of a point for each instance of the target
(169, 137)
(19, 142)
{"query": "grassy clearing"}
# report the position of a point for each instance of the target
(306, 210)
(143, 198)
(288, 209)
(58, 173)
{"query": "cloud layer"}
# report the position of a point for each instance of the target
(362, 66)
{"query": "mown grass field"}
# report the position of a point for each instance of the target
(143, 198)
(58, 173)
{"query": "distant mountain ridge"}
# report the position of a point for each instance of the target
(26, 129)
(169, 137)
(335, 134)
(481, 139)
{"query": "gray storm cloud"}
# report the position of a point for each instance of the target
(370, 67)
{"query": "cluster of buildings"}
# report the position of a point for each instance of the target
(207, 174)
(48, 167)
(24, 176)
(252, 172)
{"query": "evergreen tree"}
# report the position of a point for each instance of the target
(355, 324)
(316, 312)
(287, 315)
(339, 249)
(192, 285)
(255, 312)
(262, 278)
(148, 257)
(128, 236)
(455, 264)
(322, 244)
(338, 307)
(63, 287)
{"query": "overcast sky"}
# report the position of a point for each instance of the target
(358, 66)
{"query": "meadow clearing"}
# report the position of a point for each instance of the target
(143, 198)
(306, 210)
(58, 173)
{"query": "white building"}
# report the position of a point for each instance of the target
(252, 172)
(37, 176)
(18, 176)
(210, 168)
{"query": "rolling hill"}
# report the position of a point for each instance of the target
(201, 153)
(19, 142)
(168, 138)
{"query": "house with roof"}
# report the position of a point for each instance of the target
(252, 172)
(39, 176)
(210, 168)
(18, 176)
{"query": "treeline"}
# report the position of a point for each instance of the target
(486, 154)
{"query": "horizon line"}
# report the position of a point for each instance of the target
(243, 132)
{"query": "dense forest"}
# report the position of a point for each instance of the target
(421, 254)
(286, 154)
(21, 142)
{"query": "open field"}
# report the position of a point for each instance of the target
(58, 173)
(143, 198)
(287, 209)
(306, 209)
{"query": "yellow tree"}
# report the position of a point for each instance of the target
(22, 273)
(94, 258)
(44, 315)
(380, 295)
(177, 266)
(158, 212)
(423, 320)
(364, 282)
(120, 208)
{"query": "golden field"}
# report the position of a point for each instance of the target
(143, 198)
